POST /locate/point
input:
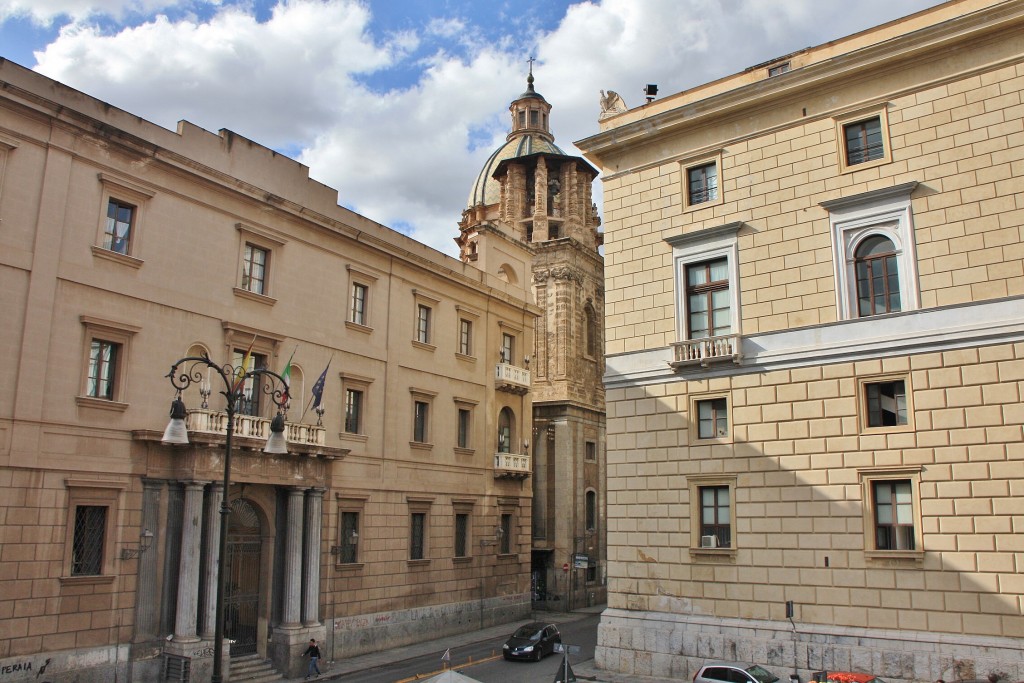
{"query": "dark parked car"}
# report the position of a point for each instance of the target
(532, 642)
(733, 672)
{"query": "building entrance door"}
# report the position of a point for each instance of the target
(242, 588)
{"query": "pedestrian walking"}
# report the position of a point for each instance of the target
(313, 652)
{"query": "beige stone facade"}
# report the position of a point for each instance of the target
(377, 527)
(532, 204)
(815, 335)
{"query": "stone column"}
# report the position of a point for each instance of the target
(311, 564)
(147, 601)
(213, 519)
(292, 616)
(188, 573)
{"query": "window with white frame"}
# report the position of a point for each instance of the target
(874, 253)
(702, 181)
(120, 232)
(107, 343)
(357, 309)
(712, 418)
(885, 403)
(258, 249)
(891, 511)
(710, 259)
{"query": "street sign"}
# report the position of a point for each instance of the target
(565, 567)
(580, 561)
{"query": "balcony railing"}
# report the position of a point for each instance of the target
(252, 426)
(511, 465)
(705, 351)
(511, 378)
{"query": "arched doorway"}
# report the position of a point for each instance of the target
(242, 585)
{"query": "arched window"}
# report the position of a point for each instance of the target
(506, 430)
(878, 281)
(591, 510)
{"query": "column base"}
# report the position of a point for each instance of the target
(287, 643)
(198, 656)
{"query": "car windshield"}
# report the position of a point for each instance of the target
(762, 675)
(533, 633)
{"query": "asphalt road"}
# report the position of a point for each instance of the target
(488, 666)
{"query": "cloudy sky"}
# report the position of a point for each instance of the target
(396, 103)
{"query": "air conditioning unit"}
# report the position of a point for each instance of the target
(708, 541)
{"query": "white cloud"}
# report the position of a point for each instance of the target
(310, 78)
(45, 11)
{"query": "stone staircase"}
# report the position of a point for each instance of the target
(253, 669)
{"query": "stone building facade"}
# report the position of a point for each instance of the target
(815, 336)
(532, 204)
(393, 516)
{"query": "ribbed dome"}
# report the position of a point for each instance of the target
(486, 190)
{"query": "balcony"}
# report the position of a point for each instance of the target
(705, 351)
(253, 427)
(511, 379)
(511, 466)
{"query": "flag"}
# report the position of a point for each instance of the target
(286, 375)
(446, 658)
(244, 367)
(318, 388)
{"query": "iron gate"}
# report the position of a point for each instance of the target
(242, 588)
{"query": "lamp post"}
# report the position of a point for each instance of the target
(234, 379)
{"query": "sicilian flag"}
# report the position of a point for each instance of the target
(286, 375)
(244, 367)
(318, 388)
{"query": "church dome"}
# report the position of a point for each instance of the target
(486, 190)
(530, 135)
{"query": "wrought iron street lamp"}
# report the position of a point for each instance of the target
(235, 378)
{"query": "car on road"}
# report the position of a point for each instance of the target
(532, 642)
(733, 672)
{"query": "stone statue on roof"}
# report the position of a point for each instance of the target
(611, 104)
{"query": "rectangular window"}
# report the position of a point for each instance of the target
(713, 419)
(703, 183)
(421, 410)
(353, 411)
(591, 451)
(864, 141)
(778, 69)
(349, 538)
(715, 517)
(886, 403)
(461, 534)
(249, 402)
(534, 118)
(708, 300)
(417, 531)
(118, 231)
(360, 293)
(423, 323)
(88, 540)
(464, 427)
(506, 533)
(894, 514)
(508, 347)
(103, 360)
(466, 337)
(254, 269)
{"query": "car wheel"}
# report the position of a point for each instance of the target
(537, 654)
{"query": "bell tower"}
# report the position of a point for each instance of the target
(531, 210)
